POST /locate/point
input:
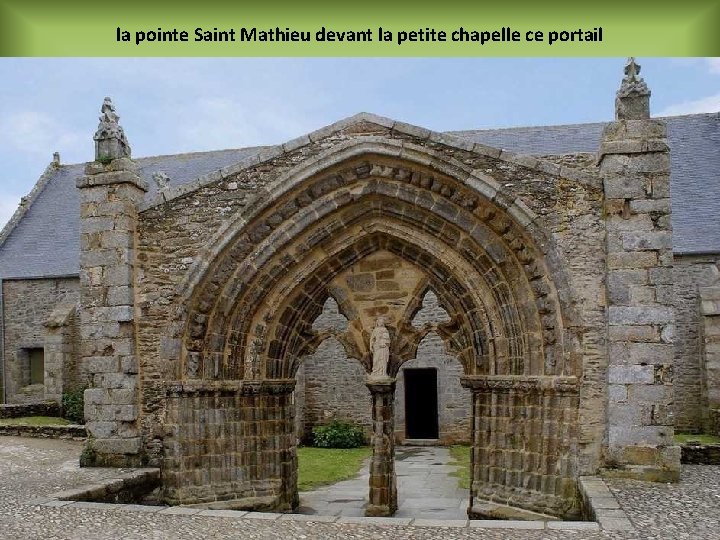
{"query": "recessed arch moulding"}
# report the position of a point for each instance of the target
(492, 239)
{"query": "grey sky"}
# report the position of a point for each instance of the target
(181, 105)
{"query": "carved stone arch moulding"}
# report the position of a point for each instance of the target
(484, 256)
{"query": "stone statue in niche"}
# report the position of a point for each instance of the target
(193, 364)
(380, 348)
(251, 367)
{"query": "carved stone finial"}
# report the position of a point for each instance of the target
(632, 101)
(110, 140)
(162, 180)
(56, 159)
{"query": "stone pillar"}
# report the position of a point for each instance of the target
(634, 164)
(383, 482)
(110, 193)
(710, 346)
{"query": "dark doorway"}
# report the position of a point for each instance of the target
(421, 403)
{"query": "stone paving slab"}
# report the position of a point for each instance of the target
(180, 511)
(308, 519)
(505, 524)
(376, 520)
(223, 513)
(452, 523)
(573, 525)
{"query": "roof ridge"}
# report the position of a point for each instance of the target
(577, 124)
(199, 153)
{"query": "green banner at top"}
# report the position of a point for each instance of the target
(369, 28)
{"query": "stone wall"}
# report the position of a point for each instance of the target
(28, 304)
(689, 273)
(332, 387)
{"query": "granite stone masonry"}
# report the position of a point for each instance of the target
(542, 293)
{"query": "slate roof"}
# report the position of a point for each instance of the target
(46, 240)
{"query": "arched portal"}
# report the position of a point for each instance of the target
(343, 228)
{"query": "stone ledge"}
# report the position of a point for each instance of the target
(129, 487)
(600, 504)
(200, 386)
(72, 432)
(520, 383)
(45, 408)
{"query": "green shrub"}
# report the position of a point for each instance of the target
(73, 405)
(338, 434)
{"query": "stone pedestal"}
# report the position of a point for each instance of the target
(383, 482)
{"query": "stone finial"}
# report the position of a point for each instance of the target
(56, 159)
(162, 180)
(110, 140)
(632, 101)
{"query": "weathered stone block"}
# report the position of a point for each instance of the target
(631, 374)
(641, 353)
(117, 446)
(640, 315)
(647, 241)
(644, 333)
(624, 187)
(640, 259)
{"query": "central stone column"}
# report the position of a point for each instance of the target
(383, 482)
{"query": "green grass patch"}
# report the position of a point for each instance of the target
(35, 421)
(323, 466)
(702, 438)
(461, 459)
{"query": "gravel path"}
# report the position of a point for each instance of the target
(34, 468)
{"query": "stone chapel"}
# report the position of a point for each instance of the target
(548, 295)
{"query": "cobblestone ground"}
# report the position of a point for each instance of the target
(32, 468)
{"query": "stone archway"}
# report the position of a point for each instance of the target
(247, 322)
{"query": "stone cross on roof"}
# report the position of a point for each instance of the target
(110, 140)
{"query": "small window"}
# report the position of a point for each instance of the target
(37, 365)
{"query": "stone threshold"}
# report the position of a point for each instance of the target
(599, 500)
